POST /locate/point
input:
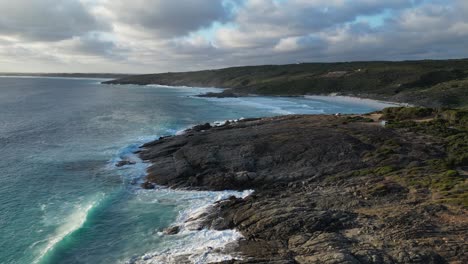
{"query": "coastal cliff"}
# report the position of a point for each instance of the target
(330, 189)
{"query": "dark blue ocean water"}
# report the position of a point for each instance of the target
(62, 200)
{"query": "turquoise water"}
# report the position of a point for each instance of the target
(62, 200)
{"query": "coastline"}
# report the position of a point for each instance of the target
(199, 220)
(332, 97)
(229, 92)
(190, 242)
(181, 175)
(186, 241)
(411, 82)
(356, 99)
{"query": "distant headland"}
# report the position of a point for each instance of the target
(430, 83)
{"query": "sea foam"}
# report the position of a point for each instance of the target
(191, 245)
(70, 224)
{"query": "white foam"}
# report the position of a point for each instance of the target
(191, 245)
(198, 247)
(274, 105)
(222, 123)
(353, 100)
(309, 104)
(134, 173)
(180, 132)
(70, 224)
(191, 90)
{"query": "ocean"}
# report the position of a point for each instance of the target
(63, 200)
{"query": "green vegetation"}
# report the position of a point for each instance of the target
(358, 119)
(442, 176)
(426, 83)
(379, 171)
(405, 113)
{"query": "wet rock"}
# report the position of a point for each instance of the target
(147, 185)
(124, 163)
(202, 127)
(171, 230)
(325, 192)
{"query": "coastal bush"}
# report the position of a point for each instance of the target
(438, 164)
(437, 127)
(386, 188)
(379, 171)
(384, 170)
(451, 173)
(359, 119)
(446, 181)
(405, 113)
(457, 149)
(436, 77)
(457, 117)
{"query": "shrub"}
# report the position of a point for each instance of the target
(405, 113)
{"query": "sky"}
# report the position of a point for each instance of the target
(149, 36)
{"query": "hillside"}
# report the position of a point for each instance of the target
(426, 83)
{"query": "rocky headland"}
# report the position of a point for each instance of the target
(330, 189)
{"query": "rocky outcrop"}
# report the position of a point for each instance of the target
(328, 189)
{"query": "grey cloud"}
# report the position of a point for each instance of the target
(425, 30)
(312, 15)
(168, 19)
(158, 35)
(47, 20)
(261, 31)
(93, 44)
(428, 31)
(263, 23)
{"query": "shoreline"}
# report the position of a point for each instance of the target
(332, 97)
(403, 81)
(186, 237)
(197, 219)
(294, 191)
(357, 99)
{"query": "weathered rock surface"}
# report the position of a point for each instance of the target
(172, 230)
(327, 190)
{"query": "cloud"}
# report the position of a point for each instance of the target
(91, 44)
(47, 20)
(428, 31)
(164, 18)
(179, 35)
(264, 22)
